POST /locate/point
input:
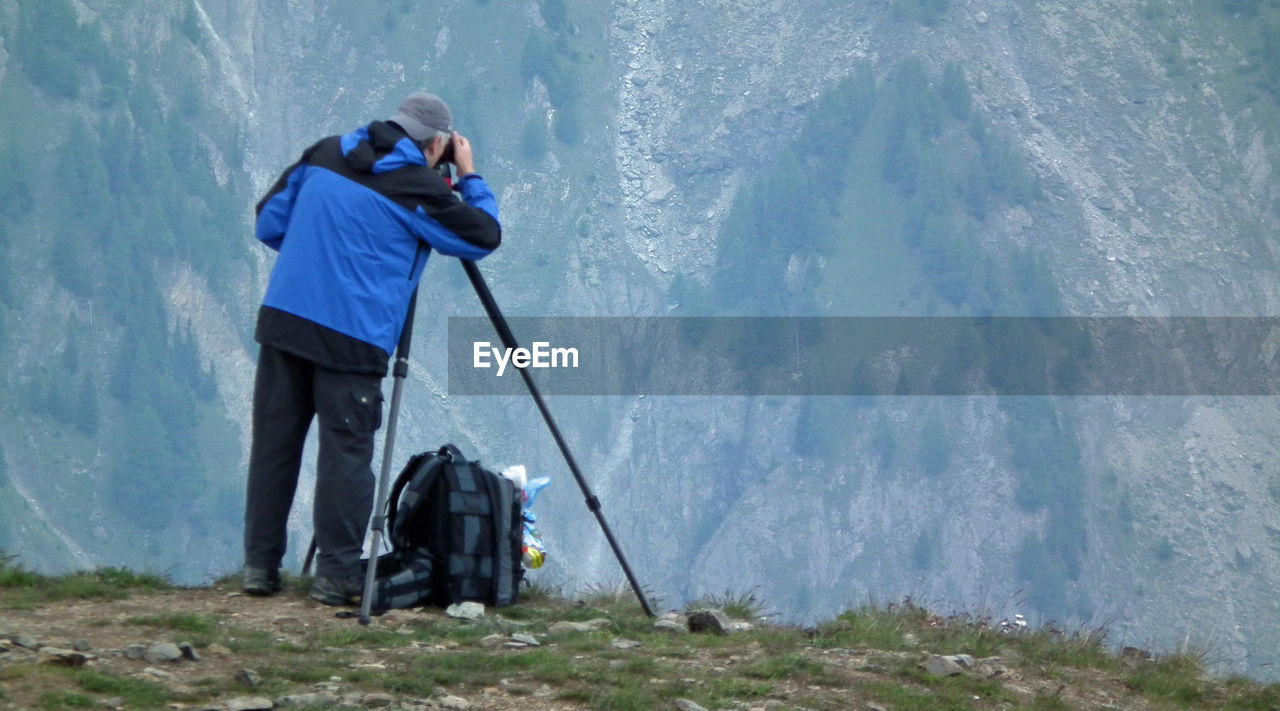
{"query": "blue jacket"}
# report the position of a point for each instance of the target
(354, 221)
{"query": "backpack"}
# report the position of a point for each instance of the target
(456, 532)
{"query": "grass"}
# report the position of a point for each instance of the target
(179, 621)
(739, 606)
(22, 589)
(135, 693)
(55, 700)
(1176, 678)
(867, 655)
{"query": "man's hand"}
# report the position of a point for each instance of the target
(462, 158)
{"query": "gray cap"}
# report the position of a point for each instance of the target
(422, 114)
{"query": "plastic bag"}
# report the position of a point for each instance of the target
(534, 550)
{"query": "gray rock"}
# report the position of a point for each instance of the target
(248, 677)
(713, 621)
(941, 666)
(599, 623)
(527, 640)
(565, 627)
(320, 699)
(162, 652)
(671, 626)
(25, 640)
(687, 705)
(964, 660)
(249, 703)
(135, 651)
(455, 703)
(623, 643)
(82, 645)
(64, 657)
(465, 611)
(157, 673)
(377, 701)
(493, 640)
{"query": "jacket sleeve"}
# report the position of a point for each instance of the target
(466, 228)
(275, 208)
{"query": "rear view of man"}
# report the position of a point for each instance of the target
(354, 221)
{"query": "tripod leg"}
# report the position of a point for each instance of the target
(509, 340)
(311, 555)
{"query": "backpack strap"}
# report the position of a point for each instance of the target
(507, 535)
(411, 486)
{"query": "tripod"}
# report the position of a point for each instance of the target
(593, 503)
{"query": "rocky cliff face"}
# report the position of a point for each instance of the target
(629, 143)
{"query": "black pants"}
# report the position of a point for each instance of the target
(288, 393)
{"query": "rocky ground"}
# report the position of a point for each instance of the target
(214, 648)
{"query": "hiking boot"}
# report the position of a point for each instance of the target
(328, 591)
(261, 581)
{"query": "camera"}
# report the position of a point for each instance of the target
(447, 156)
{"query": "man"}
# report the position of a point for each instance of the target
(353, 221)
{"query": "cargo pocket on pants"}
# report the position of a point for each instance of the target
(354, 404)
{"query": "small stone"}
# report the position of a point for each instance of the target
(188, 651)
(598, 623)
(713, 621)
(377, 701)
(135, 651)
(248, 677)
(527, 640)
(82, 645)
(963, 660)
(981, 18)
(1130, 653)
(249, 703)
(25, 640)
(941, 666)
(565, 627)
(455, 703)
(687, 705)
(465, 611)
(218, 650)
(162, 652)
(493, 640)
(319, 699)
(152, 671)
(623, 643)
(671, 626)
(63, 657)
